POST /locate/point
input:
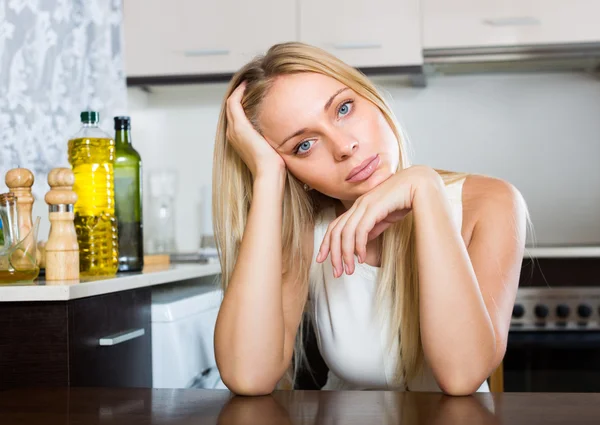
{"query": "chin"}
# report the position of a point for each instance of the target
(371, 183)
(377, 178)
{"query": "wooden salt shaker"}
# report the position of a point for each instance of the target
(62, 249)
(19, 181)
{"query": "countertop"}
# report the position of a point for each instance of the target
(42, 290)
(208, 407)
(563, 251)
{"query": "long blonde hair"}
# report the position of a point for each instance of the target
(232, 196)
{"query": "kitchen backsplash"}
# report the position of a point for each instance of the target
(539, 131)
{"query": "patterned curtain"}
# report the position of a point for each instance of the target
(57, 58)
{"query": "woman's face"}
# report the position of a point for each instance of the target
(325, 133)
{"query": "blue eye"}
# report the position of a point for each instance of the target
(304, 146)
(345, 108)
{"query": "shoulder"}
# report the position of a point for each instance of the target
(488, 200)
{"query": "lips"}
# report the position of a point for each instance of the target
(362, 166)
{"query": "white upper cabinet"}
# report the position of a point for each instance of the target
(192, 37)
(364, 33)
(491, 23)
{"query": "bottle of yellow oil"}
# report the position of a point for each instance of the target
(92, 155)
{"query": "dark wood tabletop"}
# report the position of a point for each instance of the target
(207, 407)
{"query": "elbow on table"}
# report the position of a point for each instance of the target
(458, 384)
(248, 384)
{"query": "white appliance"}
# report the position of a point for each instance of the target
(183, 323)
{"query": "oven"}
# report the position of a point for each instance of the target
(554, 338)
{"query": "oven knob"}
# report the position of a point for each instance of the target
(562, 311)
(584, 311)
(518, 311)
(541, 311)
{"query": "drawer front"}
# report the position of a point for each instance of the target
(33, 345)
(492, 23)
(110, 340)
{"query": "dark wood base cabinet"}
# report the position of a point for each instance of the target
(100, 341)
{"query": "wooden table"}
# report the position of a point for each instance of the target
(205, 407)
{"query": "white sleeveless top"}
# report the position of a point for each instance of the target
(353, 340)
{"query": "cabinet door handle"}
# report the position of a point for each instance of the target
(348, 46)
(512, 21)
(206, 52)
(120, 337)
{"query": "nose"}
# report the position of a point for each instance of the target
(344, 147)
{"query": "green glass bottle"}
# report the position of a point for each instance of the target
(128, 198)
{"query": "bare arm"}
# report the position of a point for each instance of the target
(259, 317)
(467, 293)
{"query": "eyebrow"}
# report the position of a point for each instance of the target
(325, 108)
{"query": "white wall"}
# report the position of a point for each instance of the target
(539, 131)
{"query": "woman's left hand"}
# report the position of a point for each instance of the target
(369, 216)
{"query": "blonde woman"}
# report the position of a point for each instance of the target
(408, 274)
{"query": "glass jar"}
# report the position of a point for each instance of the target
(18, 261)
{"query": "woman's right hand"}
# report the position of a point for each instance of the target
(255, 151)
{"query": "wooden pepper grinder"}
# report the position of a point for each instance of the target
(62, 249)
(19, 181)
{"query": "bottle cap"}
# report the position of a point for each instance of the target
(90, 117)
(122, 123)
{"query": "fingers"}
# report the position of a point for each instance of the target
(238, 93)
(339, 243)
(234, 103)
(324, 248)
(361, 230)
(377, 230)
(348, 237)
(335, 246)
(326, 243)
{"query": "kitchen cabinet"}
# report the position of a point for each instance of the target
(96, 332)
(186, 37)
(101, 341)
(376, 33)
(110, 343)
(449, 24)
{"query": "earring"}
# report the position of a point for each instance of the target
(306, 187)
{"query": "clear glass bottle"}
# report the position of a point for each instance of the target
(9, 219)
(92, 156)
(18, 255)
(161, 236)
(128, 198)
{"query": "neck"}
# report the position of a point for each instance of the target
(122, 138)
(342, 206)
